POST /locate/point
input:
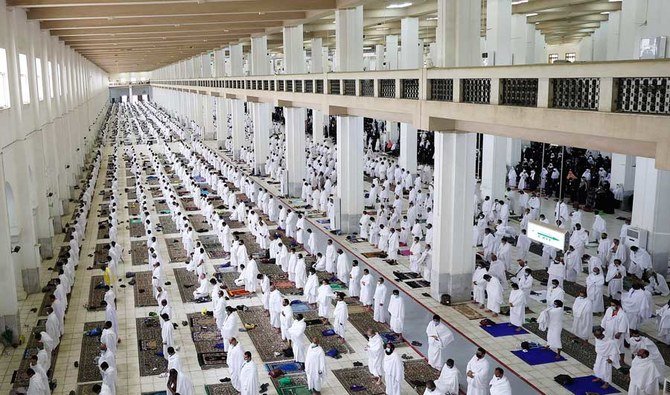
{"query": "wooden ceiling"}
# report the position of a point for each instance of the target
(143, 35)
(566, 21)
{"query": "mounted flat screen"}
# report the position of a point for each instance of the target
(547, 234)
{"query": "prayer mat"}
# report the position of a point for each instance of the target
(144, 294)
(355, 240)
(161, 206)
(263, 336)
(206, 337)
(288, 366)
(232, 224)
(271, 270)
(296, 386)
(20, 377)
(364, 321)
(68, 234)
(359, 377)
(187, 282)
(418, 284)
(86, 389)
(103, 230)
(131, 182)
(289, 242)
(468, 311)
(42, 312)
(106, 195)
(238, 293)
(538, 356)
(167, 225)
(405, 252)
(104, 209)
(90, 349)
(137, 228)
(375, 254)
(221, 389)
(139, 252)
(328, 342)
(228, 279)
(212, 246)
(152, 180)
(181, 191)
(535, 248)
(132, 195)
(418, 372)
(176, 250)
(584, 353)
(503, 329)
(149, 343)
(100, 255)
(199, 223)
(586, 386)
(133, 209)
(96, 294)
(156, 193)
(189, 204)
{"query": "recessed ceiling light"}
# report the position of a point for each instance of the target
(399, 5)
(532, 14)
(432, 18)
(605, 13)
(519, 2)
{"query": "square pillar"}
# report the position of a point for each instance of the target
(349, 39)
(494, 169)
(408, 147)
(237, 110)
(453, 255)
(236, 60)
(295, 148)
(294, 58)
(316, 56)
(262, 117)
(350, 162)
(260, 63)
(318, 122)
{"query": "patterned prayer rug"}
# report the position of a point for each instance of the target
(296, 386)
(86, 389)
(199, 223)
(220, 389)
(20, 377)
(176, 250)
(418, 372)
(139, 253)
(161, 207)
(133, 209)
(168, 226)
(468, 311)
(327, 342)
(103, 230)
(90, 349)
(189, 204)
(208, 341)
(359, 377)
(231, 223)
(100, 255)
(364, 321)
(212, 246)
(264, 337)
(150, 343)
(137, 228)
(143, 290)
(187, 282)
(96, 294)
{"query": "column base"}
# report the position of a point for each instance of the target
(31, 280)
(13, 323)
(295, 189)
(66, 207)
(260, 171)
(57, 224)
(457, 286)
(46, 248)
(349, 223)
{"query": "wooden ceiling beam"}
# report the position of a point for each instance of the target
(172, 9)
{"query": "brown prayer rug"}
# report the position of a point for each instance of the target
(137, 228)
(361, 377)
(161, 207)
(468, 311)
(96, 295)
(86, 389)
(143, 290)
(199, 223)
(139, 253)
(364, 321)
(220, 389)
(208, 341)
(103, 230)
(90, 349)
(212, 246)
(167, 225)
(100, 255)
(264, 337)
(187, 282)
(189, 204)
(133, 209)
(149, 343)
(176, 250)
(418, 372)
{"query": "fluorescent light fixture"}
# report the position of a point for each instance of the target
(519, 2)
(432, 18)
(605, 13)
(399, 5)
(616, 1)
(532, 14)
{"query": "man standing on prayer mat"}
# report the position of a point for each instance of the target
(315, 366)
(447, 383)
(379, 301)
(324, 299)
(340, 316)
(297, 335)
(375, 351)
(230, 326)
(394, 370)
(285, 319)
(275, 307)
(499, 383)
(607, 356)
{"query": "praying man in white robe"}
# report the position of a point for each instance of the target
(494, 294)
(397, 312)
(499, 384)
(447, 383)
(375, 353)
(249, 376)
(477, 373)
(607, 356)
(340, 316)
(297, 336)
(235, 361)
(394, 371)
(379, 298)
(517, 303)
(324, 299)
(643, 375)
(582, 313)
(315, 366)
(439, 337)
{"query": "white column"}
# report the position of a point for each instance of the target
(236, 60)
(316, 55)
(392, 52)
(9, 309)
(294, 58)
(221, 120)
(650, 210)
(495, 149)
(453, 255)
(318, 121)
(350, 140)
(207, 118)
(409, 37)
(262, 117)
(220, 63)
(523, 40)
(295, 148)
(623, 172)
(260, 64)
(379, 57)
(349, 39)
(237, 111)
(457, 33)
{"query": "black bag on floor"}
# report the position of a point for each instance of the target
(564, 379)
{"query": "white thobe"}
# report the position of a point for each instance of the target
(379, 300)
(439, 337)
(397, 313)
(315, 367)
(478, 385)
(394, 374)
